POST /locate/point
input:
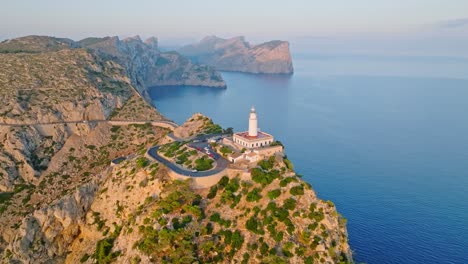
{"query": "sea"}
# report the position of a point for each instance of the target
(383, 137)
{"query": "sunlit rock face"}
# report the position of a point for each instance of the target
(235, 54)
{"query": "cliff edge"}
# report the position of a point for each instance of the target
(135, 212)
(76, 186)
(235, 54)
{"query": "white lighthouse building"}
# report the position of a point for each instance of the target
(253, 123)
(252, 138)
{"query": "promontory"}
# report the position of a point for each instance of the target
(91, 172)
(236, 54)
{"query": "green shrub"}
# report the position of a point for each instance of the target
(84, 258)
(297, 190)
(223, 182)
(215, 217)
(278, 236)
(254, 195)
(264, 178)
(203, 164)
(225, 150)
(212, 192)
(289, 204)
(142, 162)
(264, 248)
(277, 143)
(209, 228)
(288, 163)
(115, 129)
(237, 240)
(273, 194)
(267, 164)
(5, 197)
(103, 253)
(286, 181)
(253, 225)
(245, 258)
(233, 185)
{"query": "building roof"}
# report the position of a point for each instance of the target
(260, 135)
(236, 155)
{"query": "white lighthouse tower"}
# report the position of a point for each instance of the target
(252, 139)
(253, 123)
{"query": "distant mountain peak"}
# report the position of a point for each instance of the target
(236, 54)
(152, 42)
(134, 38)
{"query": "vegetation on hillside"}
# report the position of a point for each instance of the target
(274, 221)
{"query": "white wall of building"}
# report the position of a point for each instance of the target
(253, 123)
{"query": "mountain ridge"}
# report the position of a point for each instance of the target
(64, 197)
(236, 54)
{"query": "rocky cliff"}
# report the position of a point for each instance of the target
(135, 213)
(62, 201)
(84, 210)
(49, 84)
(235, 54)
(147, 66)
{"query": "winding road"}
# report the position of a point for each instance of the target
(166, 124)
(221, 164)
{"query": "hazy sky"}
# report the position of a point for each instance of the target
(296, 20)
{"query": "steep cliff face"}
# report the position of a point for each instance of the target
(52, 81)
(134, 212)
(144, 64)
(66, 85)
(47, 233)
(50, 88)
(42, 210)
(61, 201)
(147, 66)
(235, 54)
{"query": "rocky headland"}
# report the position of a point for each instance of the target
(147, 66)
(63, 201)
(144, 63)
(236, 54)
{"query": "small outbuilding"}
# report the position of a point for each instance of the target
(235, 157)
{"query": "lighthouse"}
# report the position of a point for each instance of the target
(253, 123)
(252, 139)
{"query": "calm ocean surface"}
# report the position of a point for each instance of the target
(386, 139)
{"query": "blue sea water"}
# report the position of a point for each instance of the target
(386, 139)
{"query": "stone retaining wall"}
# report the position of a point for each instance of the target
(168, 125)
(199, 182)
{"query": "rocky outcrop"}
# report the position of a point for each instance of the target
(235, 54)
(26, 152)
(147, 66)
(62, 202)
(48, 232)
(193, 126)
(151, 218)
(134, 212)
(66, 85)
(36, 44)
